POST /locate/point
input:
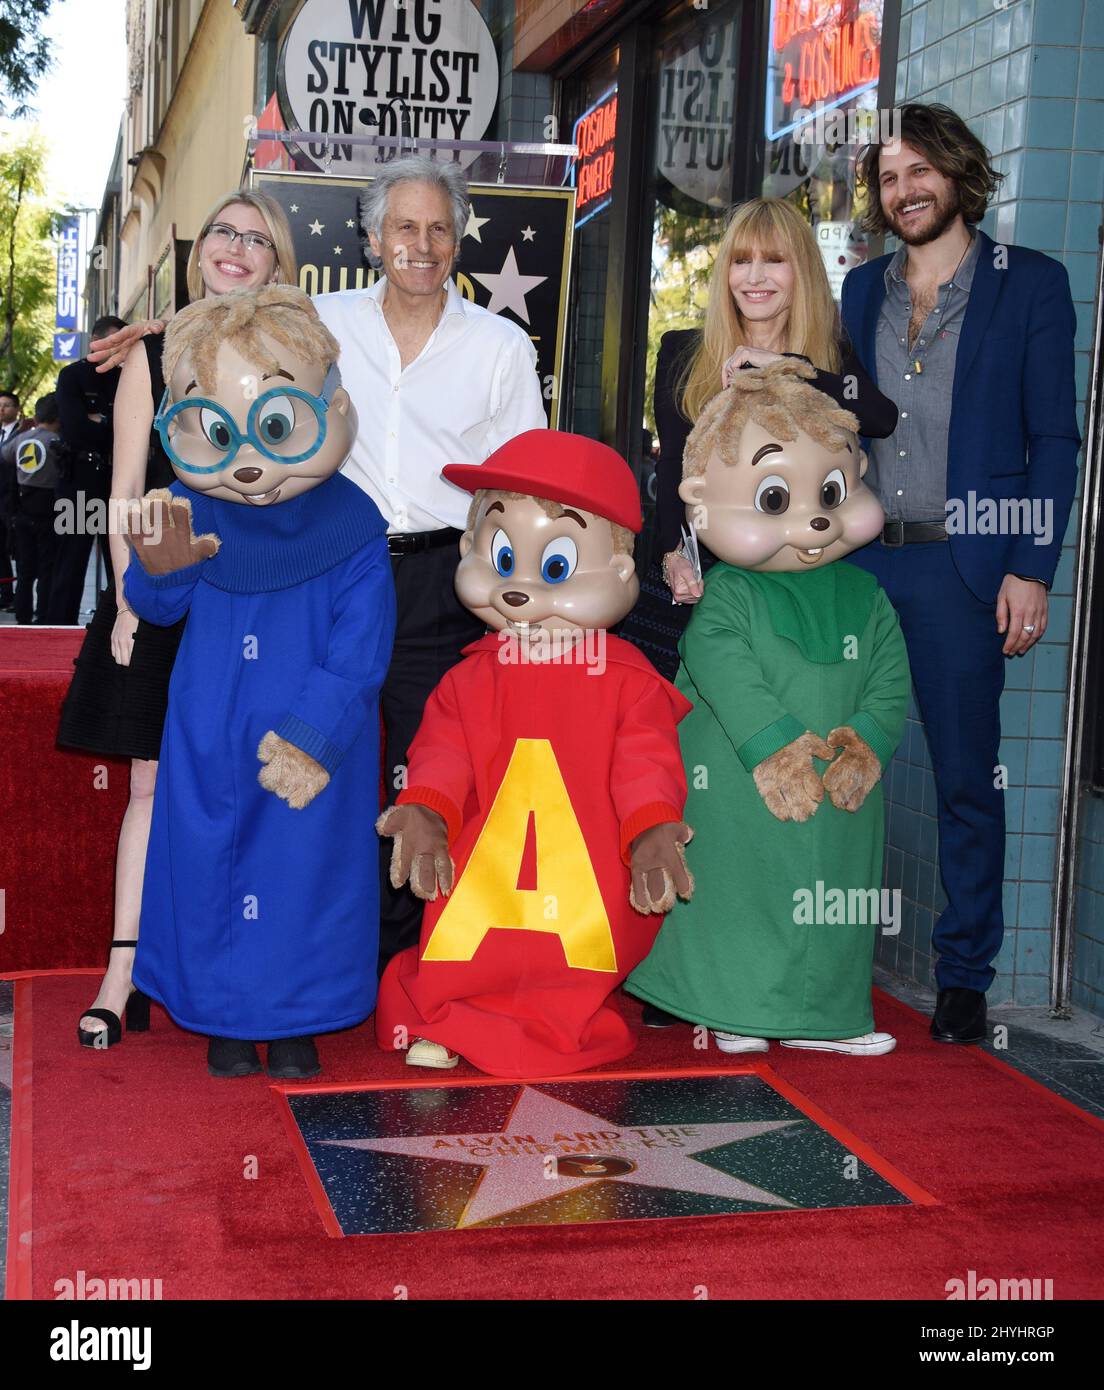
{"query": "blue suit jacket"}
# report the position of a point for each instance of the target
(1013, 429)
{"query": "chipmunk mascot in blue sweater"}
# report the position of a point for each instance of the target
(259, 914)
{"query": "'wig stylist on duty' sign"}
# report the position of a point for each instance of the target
(426, 68)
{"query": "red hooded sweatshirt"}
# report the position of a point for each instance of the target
(544, 774)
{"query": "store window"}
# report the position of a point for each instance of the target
(696, 82)
(591, 116)
(823, 70)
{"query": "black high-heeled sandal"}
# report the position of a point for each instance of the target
(137, 1013)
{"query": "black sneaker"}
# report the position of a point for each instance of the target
(232, 1057)
(655, 1017)
(293, 1059)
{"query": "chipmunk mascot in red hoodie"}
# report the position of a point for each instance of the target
(542, 815)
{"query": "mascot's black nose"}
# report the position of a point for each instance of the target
(818, 523)
(515, 599)
(250, 475)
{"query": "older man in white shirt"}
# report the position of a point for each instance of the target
(435, 380)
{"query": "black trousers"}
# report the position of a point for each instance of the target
(71, 564)
(7, 583)
(35, 545)
(433, 627)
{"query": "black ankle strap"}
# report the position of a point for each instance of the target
(123, 943)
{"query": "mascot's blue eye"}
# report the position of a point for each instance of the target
(502, 553)
(560, 560)
(216, 429)
(276, 420)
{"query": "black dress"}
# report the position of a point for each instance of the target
(120, 710)
(655, 626)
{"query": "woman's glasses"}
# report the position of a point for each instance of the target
(223, 235)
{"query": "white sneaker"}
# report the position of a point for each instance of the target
(423, 1053)
(737, 1042)
(869, 1045)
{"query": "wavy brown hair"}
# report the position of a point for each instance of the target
(949, 145)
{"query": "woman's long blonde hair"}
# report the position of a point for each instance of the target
(275, 219)
(770, 226)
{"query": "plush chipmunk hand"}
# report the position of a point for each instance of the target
(159, 531)
(659, 869)
(789, 783)
(289, 773)
(854, 772)
(420, 853)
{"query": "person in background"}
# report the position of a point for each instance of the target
(116, 703)
(436, 380)
(975, 340)
(768, 297)
(85, 401)
(33, 457)
(10, 425)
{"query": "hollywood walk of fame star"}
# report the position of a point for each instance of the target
(519, 1174)
(316, 227)
(509, 287)
(473, 225)
(528, 233)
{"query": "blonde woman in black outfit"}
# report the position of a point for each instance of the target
(116, 702)
(768, 297)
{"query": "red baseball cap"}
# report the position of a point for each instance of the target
(565, 468)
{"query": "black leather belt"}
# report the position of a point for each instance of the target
(897, 533)
(413, 542)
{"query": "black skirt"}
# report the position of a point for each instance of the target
(119, 710)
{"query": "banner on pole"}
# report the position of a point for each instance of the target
(68, 268)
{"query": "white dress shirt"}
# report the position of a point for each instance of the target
(471, 388)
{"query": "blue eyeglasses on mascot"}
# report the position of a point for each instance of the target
(259, 913)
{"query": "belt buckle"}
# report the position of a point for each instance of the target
(893, 534)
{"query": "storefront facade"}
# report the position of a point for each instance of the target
(681, 108)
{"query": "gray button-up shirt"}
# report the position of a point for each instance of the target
(908, 470)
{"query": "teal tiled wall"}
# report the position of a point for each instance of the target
(1028, 76)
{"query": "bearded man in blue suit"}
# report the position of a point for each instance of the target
(973, 340)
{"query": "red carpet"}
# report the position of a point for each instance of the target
(62, 813)
(137, 1161)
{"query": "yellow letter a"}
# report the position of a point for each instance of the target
(486, 897)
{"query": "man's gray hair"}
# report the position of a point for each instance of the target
(414, 168)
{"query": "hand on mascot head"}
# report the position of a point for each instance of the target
(764, 502)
